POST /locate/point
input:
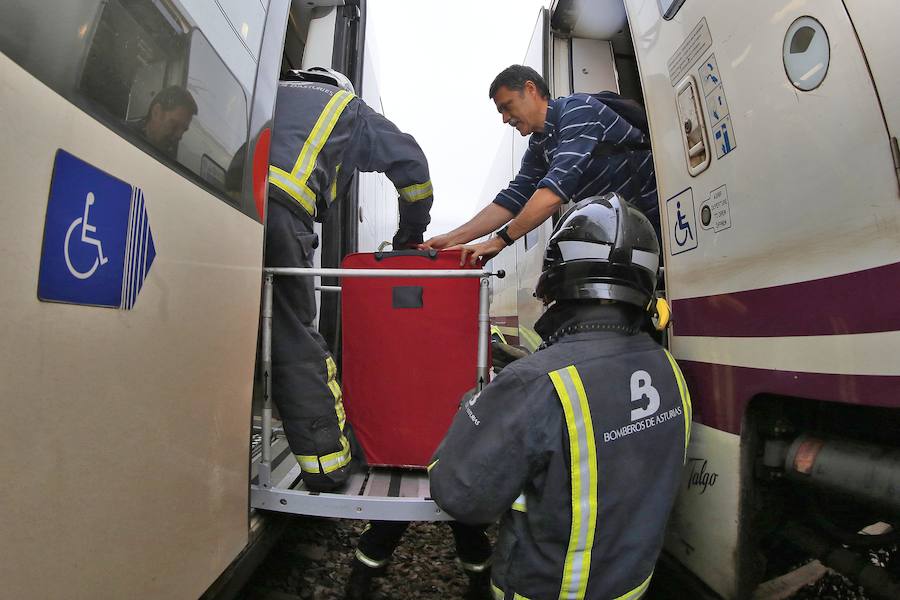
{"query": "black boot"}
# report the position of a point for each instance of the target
(359, 586)
(479, 586)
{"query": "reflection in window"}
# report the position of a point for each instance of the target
(142, 68)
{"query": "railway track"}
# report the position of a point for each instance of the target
(312, 562)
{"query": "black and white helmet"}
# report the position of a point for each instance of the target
(602, 248)
(322, 75)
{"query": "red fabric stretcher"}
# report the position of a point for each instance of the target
(410, 349)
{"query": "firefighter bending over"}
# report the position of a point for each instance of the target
(579, 446)
(322, 135)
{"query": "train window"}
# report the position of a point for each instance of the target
(167, 89)
(669, 8)
(146, 71)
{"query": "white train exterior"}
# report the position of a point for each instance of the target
(127, 405)
(774, 132)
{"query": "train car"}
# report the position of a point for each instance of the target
(774, 133)
(134, 159)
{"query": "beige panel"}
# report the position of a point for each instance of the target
(124, 433)
(703, 527)
(857, 354)
(810, 183)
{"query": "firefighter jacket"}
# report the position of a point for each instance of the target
(323, 134)
(579, 448)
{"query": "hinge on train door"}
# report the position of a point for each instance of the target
(895, 152)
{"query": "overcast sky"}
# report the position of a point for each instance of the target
(437, 61)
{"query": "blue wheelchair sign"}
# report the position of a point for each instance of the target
(98, 248)
(682, 222)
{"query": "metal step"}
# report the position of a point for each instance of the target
(376, 494)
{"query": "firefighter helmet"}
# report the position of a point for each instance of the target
(322, 75)
(602, 248)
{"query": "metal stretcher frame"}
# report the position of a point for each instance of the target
(378, 494)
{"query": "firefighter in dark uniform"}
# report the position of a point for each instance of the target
(322, 135)
(578, 447)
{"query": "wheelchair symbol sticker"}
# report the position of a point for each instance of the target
(86, 229)
(682, 222)
(98, 248)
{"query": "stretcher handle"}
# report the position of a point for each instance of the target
(430, 253)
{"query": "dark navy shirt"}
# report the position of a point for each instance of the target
(562, 158)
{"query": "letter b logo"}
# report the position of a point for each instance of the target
(641, 388)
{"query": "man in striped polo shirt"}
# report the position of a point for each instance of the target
(579, 147)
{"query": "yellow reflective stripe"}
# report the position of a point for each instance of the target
(310, 464)
(341, 458)
(499, 595)
(335, 388)
(336, 460)
(520, 503)
(431, 466)
(296, 190)
(337, 171)
(530, 337)
(329, 462)
(306, 161)
(369, 562)
(497, 592)
(686, 408)
(474, 567)
(638, 591)
(495, 330)
(583, 453)
(416, 191)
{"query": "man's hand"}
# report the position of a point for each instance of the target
(438, 242)
(485, 250)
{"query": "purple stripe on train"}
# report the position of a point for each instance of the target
(720, 393)
(859, 302)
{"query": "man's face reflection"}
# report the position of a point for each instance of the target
(164, 128)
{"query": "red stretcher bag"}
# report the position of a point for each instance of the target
(410, 349)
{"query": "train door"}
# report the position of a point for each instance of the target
(776, 181)
(576, 51)
(529, 251)
(875, 29)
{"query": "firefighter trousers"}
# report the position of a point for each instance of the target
(304, 375)
(380, 538)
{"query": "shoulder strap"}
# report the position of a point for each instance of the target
(635, 115)
(630, 110)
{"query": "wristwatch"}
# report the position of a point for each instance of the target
(503, 234)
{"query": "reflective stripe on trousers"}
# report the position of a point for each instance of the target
(519, 504)
(335, 460)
